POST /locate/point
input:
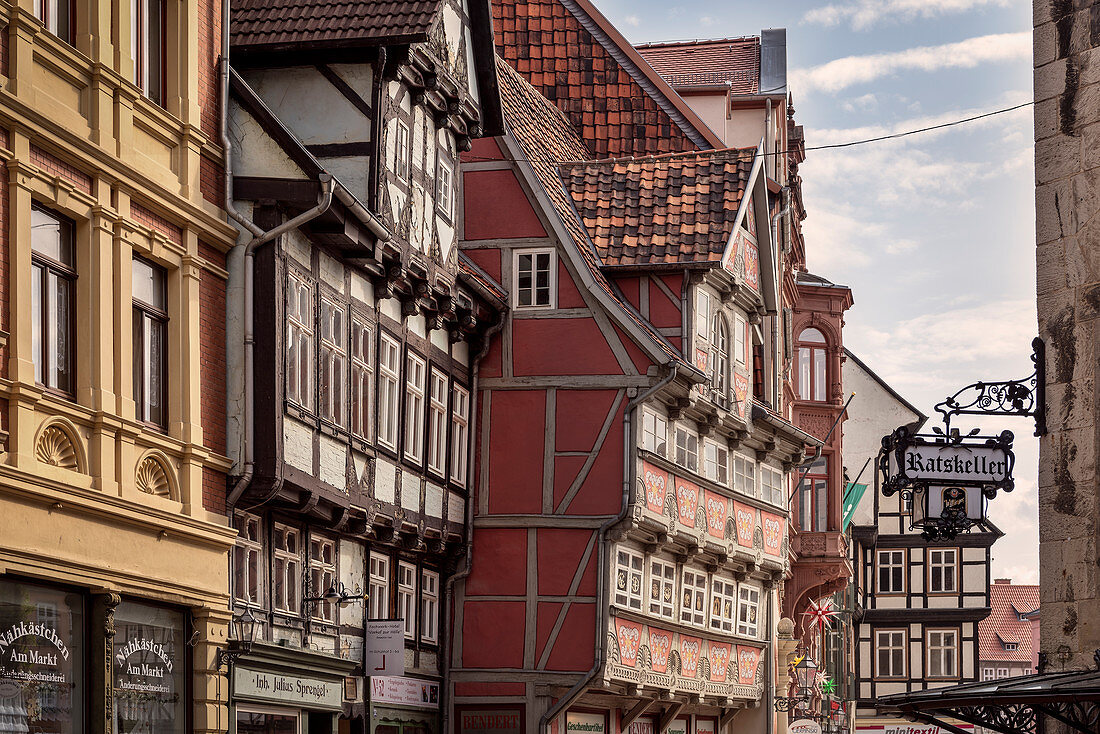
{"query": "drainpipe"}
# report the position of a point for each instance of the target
(602, 610)
(769, 685)
(468, 559)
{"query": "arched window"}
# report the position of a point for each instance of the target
(811, 365)
(720, 359)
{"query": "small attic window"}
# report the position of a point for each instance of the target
(1012, 645)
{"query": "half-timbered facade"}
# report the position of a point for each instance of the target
(357, 347)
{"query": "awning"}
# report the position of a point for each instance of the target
(1008, 705)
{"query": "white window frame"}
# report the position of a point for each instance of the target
(322, 576)
(723, 604)
(629, 579)
(988, 674)
(362, 376)
(444, 188)
(716, 462)
(687, 451)
(437, 421)
(429, 606)
(693, 597)
(702, 315)
(935, 642)
(532, 290)
(654, 433)
(333, 362)
(299, 338)
(248, 554)
(720, 359)
(287, 569)
(460, 434)
(1003, 673)
(402, 154)
(772, 486)
(406, 597)
(662, 588)
(389, 391)
(896, 565)
(740, 327)
(744, 474)
(896, 642)
(379, 586)
(416, 375)
(948, 571)
(748, 611)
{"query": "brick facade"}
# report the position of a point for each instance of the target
(212, 372)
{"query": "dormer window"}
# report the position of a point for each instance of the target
(811, 365)
(1012, 646)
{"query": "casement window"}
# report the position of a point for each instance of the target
(748, 611)
(429, 606)
(723, 596)
(1002, 673)
(719, 359)
(389, 365)
(57, 16)
(942, 571)
(890, 653)
(687, 449)
(654, 433)
(942, 647)
(702, 314)
(334, 363)
(693, 598)
(248, 581)
(53, 290)
(891, 571)
(813, 497)
(299, 341)
(406, 597)
(811, 365)
(287, 569)
(322, 577)
(987, 674)
(150, 291)
(444, 188)
(535, 278)
(1012, 645)
(460, 434)
(379, 586)
(628, 579)
(147, 47)
(362, 337)
(740, 328)
(414, 407)
(772, 487)
(744, 475)
(402, 151)
(716, 461)
(437, 423)
(662, 588)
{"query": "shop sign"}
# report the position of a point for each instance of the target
(705, 726)
(980, 461)
(490, 721)
(582, 723)
(643, 725)
(288, 688)
(909, 729)
(679, 726)
(384, 649)
(143, 665)
(656, 486)
(402, 691)
(804, 726)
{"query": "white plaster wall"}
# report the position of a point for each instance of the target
(298, 444)
(255, 153)
(410, 491)
(461, 352)
(297, 94)
(390, 307)
(351, 171)
(973, 578)
(362, 288)
(297, 247)
(332, 272)
(456, 507)
(439, 339)
(384, 481)
(334, 462)
(433, 500)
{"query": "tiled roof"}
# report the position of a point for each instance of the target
(468, 268)
(275, 23)
(547, 139)
(1007, 602)
(663, 209)
(576, 59)
(706, 63)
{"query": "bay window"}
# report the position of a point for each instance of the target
(811, 365)
(53, 288)
(813, 497)
(150, 293)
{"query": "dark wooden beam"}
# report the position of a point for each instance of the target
(639, 708)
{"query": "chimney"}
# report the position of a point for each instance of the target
(1002, 581)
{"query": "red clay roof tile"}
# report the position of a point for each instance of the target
(1007, 602)
(703, 63)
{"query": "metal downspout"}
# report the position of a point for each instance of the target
(602, 610)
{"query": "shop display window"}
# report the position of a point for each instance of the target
(150, 670)
(265, 722)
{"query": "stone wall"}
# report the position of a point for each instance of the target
(1067, 200)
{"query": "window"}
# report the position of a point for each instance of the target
(722, 595)
(429, 606)
(402, 151)
(771, 486)
(716, 462)
(460, 434)
(628, 579)
(287, 569)
(1002, 673)
(150, 342)
(147, 31)
(437, 423)
(388, 377)
(57, 16)
(739, 329)
(942, 571)
(322, 576)
(890, 653)
(535, 279)
(987, 674)
(406, 597)
(1012, 645)
(748, 610)
(247, 554)
(444, 188)
(299, 341)
(720, 359)
(687, 449)
(654, 433)
(702, 314)
(414, 408)
(379, 583)
(662, 588)
(693, 598)
(53, 286)
(744, 475)
(361, 339)
(334, 361)
(811, 365)
(891, 571)
(941, 646)
(813, 497)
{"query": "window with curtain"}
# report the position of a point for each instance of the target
(147, 47)
(150, 292)
(53, 287)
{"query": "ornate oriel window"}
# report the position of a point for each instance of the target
(813, 497)
(812, 383)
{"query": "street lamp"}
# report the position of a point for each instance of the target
(244, 627)
(804, 672)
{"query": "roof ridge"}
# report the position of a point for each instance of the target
(712, 153)
(695, 41)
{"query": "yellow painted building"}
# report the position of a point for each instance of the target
(113, 539)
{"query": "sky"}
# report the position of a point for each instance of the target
(934, 233)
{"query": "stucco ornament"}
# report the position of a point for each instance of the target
(56, 447)
(152, 478)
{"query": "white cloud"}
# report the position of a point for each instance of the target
(632, 20)
(864, 13)
(851, 70)
(707, 20)
(863, 103)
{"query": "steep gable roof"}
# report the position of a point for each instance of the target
(1008, 602)
(619, 106)
(273, 23)
(664, 209)
(735, 61)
